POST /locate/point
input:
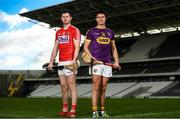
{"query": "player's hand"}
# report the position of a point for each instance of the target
(73, 61)
(94, 58)
(117, 66)
(50, 66)
(95, 61)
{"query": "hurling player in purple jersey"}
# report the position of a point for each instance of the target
(100, 46)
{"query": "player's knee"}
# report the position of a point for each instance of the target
(96, 88)
(64, 86)
(104, 89)
(71, 84)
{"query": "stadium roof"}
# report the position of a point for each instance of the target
(124, 16)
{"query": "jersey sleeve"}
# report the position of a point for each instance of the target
(77, 34)
(113, 36)
(88, 35)
(56, 37)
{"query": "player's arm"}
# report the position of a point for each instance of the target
(76, 41)
(86, 46)
(53, 55)
(87, 43)
(115, 54)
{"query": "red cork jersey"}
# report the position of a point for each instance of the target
(64, 38)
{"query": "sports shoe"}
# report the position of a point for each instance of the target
(95, 115)
(71, 114)
(104, 114)
(62, 113)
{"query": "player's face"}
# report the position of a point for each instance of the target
(100, 19)
(66, 18)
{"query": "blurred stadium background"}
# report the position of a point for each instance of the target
(147, 39)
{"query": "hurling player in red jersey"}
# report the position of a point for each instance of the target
(67, 43)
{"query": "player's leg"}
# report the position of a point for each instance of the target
(64, 90)
(96, 80)
(71, 81)
(107, 73)
(104, 83)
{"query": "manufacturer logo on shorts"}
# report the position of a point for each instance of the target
(95, 70)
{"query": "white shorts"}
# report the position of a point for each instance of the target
(66, 72)
(103, 70)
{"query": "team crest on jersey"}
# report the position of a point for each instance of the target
(63, 33)
(108, 33)
(63, 39)
(103, 34)
(103, 40)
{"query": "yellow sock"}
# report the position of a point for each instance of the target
(94, 108)
(102, 108)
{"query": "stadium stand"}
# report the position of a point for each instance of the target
(83, 71)
(123, 45)
(84, 90)
(169, 48)
(10, 84)
(141, 48)
(114, 90)
(46, 91)
(153, 87)
(4, 85)
(138, 89)
(171, 90)
(136, 92)
(162, 69)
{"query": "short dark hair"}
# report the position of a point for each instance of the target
(101, 12)
(66, 11)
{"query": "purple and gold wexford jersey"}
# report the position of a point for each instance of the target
(100, 46)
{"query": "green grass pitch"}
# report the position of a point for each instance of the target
(117, 108)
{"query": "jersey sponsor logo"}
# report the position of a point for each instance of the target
(103, 40)
(63, 39)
